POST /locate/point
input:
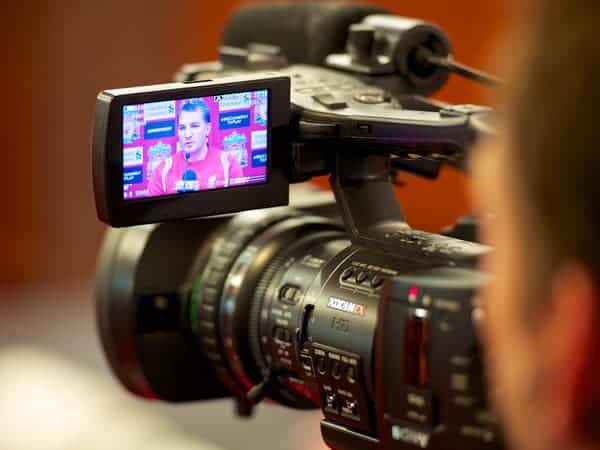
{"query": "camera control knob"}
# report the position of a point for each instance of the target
(361, 276)
(330, 101)
(336, 370)
(347, 274)
(360, 41)
(289, 294)
(376, 281)
(350, 408)
(351, 374)
(371, 96)
(331, 402)
(321, 365)
(282, 334)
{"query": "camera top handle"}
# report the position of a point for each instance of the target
(373, 218)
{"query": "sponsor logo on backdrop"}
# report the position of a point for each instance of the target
(132, 175)
(261, 107)
(161, 129)
(133, 156)
(235, 144)
(234, 119)
(258, 139)
(259, 158)
(229, 102)
(131, 108)
(159, 110)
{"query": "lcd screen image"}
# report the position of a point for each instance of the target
(195, 144)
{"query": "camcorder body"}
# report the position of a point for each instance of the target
(319, 303)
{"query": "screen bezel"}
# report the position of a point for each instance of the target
(114, 210)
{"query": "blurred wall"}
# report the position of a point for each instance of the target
(57, 55)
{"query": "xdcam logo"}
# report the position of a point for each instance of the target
(346, 306)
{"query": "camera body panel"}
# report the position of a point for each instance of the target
(383, 343)
(432, 389)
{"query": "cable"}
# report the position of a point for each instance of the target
(425, 55)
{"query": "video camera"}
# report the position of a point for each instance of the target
(347, 309)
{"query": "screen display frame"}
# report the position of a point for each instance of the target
(214, 127)
(108, 145)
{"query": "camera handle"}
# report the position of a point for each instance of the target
(364, 192)
(373, 218)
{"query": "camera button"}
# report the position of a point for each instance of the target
(289, 294)
(347, 274)
(371, 96)
(282, 334)
(307, 365)
(361, 276)
(376, 281)
(350, 408)
(330, 101)
(417, 406)
(336, 370)
(351, 374)
(321, 365)
(331, 403)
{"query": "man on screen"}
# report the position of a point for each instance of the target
(195, 166)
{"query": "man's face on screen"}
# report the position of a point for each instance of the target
(192, 131)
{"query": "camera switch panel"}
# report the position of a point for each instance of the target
(339, 377)
(364, 277)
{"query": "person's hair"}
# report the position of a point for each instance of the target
(554, 134)
(194, 105)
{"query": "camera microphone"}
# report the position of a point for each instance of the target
(419, 52)
(189, 181)
(305, 32)
(189, 175)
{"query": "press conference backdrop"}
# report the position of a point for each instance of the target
(57, 55)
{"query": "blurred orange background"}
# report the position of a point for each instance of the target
(56, 57)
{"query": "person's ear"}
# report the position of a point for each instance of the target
(570, 335)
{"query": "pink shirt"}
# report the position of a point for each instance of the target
(167, 176)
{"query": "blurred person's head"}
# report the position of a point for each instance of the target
(193, 127)
(541, 179)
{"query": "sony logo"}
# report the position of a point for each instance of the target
(410, 436)
(346, 306)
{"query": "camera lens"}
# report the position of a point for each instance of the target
(142, 309)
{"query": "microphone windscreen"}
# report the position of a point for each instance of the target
(189, 175)
(306, 32)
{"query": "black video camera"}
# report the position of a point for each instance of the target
(332, 305)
